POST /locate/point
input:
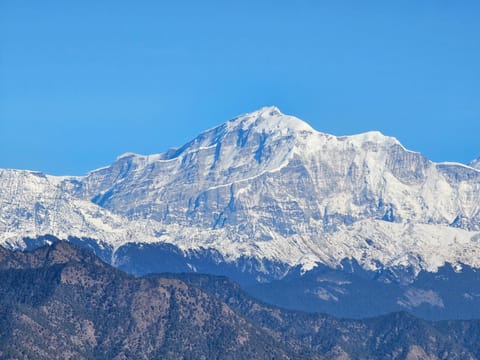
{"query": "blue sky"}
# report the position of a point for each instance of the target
(83, 82)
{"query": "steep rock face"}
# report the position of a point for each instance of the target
(35, 204)
(271, 179)
(264, 186)
(276, 171)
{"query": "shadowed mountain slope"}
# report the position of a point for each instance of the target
(63, 302)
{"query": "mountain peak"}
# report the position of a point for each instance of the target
(268, 119)
(248, 184)
(373, 137)
(126, 155)
(475, 163)
(267, 111)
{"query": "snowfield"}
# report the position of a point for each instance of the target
(268, 186)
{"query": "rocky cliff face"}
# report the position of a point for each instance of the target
(266, 176)
(33, 203)
(277, 170)
(266, 186)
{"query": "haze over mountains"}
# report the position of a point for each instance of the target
(266, 197)
(62, 302)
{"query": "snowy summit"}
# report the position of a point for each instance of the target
(264, 185)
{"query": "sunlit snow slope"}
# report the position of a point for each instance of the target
(264, 185)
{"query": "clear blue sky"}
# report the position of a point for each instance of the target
(82, 82)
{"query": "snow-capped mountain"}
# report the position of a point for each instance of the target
(265, 186)
(278, 172)
(34, 204)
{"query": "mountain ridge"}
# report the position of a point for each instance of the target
(264, 185)
(475, 163)
(60, 302)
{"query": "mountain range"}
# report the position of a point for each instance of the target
(62, 302)
(324, 222)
